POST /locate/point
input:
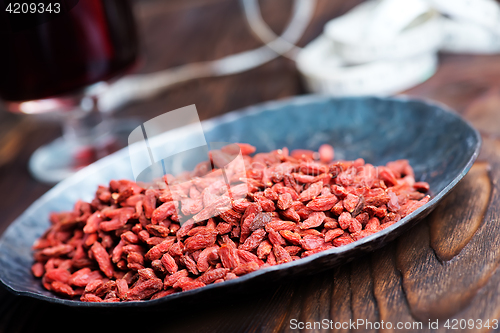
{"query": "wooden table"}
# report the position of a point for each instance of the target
(444, 268)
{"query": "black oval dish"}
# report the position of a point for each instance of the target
(439, 144)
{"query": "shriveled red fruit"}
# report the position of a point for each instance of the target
(133, 243)
(83, 276)
(264, 249)
(310, 242)
(172, 279)
(229, 257)
(169, 263)
(326, 153)
(282, 256)
(321, 204)
(291, 236)
(312, 191)
(243, 269)
(201, 240)
(332, 234)
(144, 290)
(254, 240)
(212, 275)
(285, 201)
(103, 259)
(158, 250)
(314, 220)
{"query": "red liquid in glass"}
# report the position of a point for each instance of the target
(92, 41)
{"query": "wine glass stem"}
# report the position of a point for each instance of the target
(83, 131)
(76, 127)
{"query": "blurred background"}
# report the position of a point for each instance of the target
(178, 32)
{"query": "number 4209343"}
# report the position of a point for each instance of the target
(456, 324)
(24, 8)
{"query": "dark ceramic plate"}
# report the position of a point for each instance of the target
(440, 145)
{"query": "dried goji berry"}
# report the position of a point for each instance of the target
(312, 191)
(254, 240)
(201, 240)
(204, 227)
(246, 268)
(310, 242)
(291, 236)
(264, 249)
(282, 256)
(323, 203)
(103, 259)
(275, 238)
(229, 257)
(144, 290)
(169, 263)
(332, 234)
(212, 275)
(315, 220)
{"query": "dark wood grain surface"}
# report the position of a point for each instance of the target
(444, 268)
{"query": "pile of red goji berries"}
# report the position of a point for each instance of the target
(128, 243)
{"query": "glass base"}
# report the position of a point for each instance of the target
(62, 158)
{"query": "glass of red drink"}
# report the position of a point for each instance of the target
(58, 56)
